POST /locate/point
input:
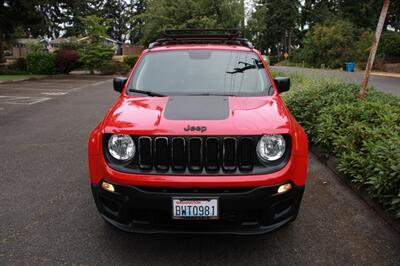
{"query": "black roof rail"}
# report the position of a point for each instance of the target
(192, 36)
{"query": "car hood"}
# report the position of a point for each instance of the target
(197, 115)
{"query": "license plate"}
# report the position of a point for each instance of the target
(195, 208)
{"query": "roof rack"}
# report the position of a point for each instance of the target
(192, 36)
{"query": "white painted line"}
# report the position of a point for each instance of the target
(100, 82)
(93, 84)
(55, 93)
(31, 89)
(22, 100)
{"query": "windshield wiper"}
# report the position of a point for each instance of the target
(210, 94)
(150, 93)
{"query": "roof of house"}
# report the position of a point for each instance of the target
(60, 40)
(29, 40)
(105, 38)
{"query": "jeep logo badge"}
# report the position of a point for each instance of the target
(195, 128)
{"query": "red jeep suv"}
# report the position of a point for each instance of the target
(199, 141)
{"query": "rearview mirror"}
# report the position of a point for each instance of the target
(282, 84)
(119, 83)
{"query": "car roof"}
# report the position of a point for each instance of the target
(227, 47)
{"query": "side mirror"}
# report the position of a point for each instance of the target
(282, 84)
(119, 83)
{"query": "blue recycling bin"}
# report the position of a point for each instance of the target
(349, 66)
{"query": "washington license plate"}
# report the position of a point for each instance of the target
(195, 208)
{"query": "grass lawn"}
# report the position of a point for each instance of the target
(17, 77)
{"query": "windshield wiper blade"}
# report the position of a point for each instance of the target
(210, 94)
(150, 93)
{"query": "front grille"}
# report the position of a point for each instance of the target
(196, 155)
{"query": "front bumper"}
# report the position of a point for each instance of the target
(243, 210)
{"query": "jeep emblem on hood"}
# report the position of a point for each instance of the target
(195, 128)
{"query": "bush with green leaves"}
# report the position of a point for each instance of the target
(18, 66)
(111, 68)
(389, 45)
(94, 56)
(130, 60)
(363, 134)
(40, 62)
(327, 44)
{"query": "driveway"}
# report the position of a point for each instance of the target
(389, 85)
(48, 215)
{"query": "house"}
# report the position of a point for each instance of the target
(117, 45)
(55, 44)
(131, 49)
(20, 47)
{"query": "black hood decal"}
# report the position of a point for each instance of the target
(197, 108)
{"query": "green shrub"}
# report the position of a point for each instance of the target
(307, 103)
(114, 68)
(130, 60)
(389, 44)
(327, 44)
(75, 46)
(363, 135)
(41, 62)
(18, 65)
(4, 70)
(362, 46)
(94, 56)
(343, 127)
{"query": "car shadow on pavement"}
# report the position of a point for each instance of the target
(199, 249)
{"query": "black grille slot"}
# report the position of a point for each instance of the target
(246, 154)
(212, 154)
(178, 155)
(195, 154)
(145, 153)
(229, 154)
(161, 153)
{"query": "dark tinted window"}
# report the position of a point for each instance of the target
(202, 72)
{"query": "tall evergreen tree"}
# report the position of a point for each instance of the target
(274, 25)
(14, 14)
(181, 14)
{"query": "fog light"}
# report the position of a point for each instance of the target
(107, 186)
(284, 188)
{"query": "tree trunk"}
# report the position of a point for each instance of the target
(2, 59)
(374, 47)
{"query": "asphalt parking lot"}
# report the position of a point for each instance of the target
(48, 215)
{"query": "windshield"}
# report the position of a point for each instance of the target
(201, 72)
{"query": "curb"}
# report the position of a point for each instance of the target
(386, 74)
(332, 163)
(24, 79)
(57, 76)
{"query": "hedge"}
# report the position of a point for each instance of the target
(363, 135)
(130, 60)
(40, 62)
(111, 68)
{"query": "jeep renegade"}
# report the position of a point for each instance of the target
(199, 141)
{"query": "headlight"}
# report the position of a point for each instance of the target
(271, 148)
(121, 147)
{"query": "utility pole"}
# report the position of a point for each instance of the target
(374, 47)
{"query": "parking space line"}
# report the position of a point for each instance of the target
(30, 89)
(55, 93)
(92, 84)
(22, 100)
